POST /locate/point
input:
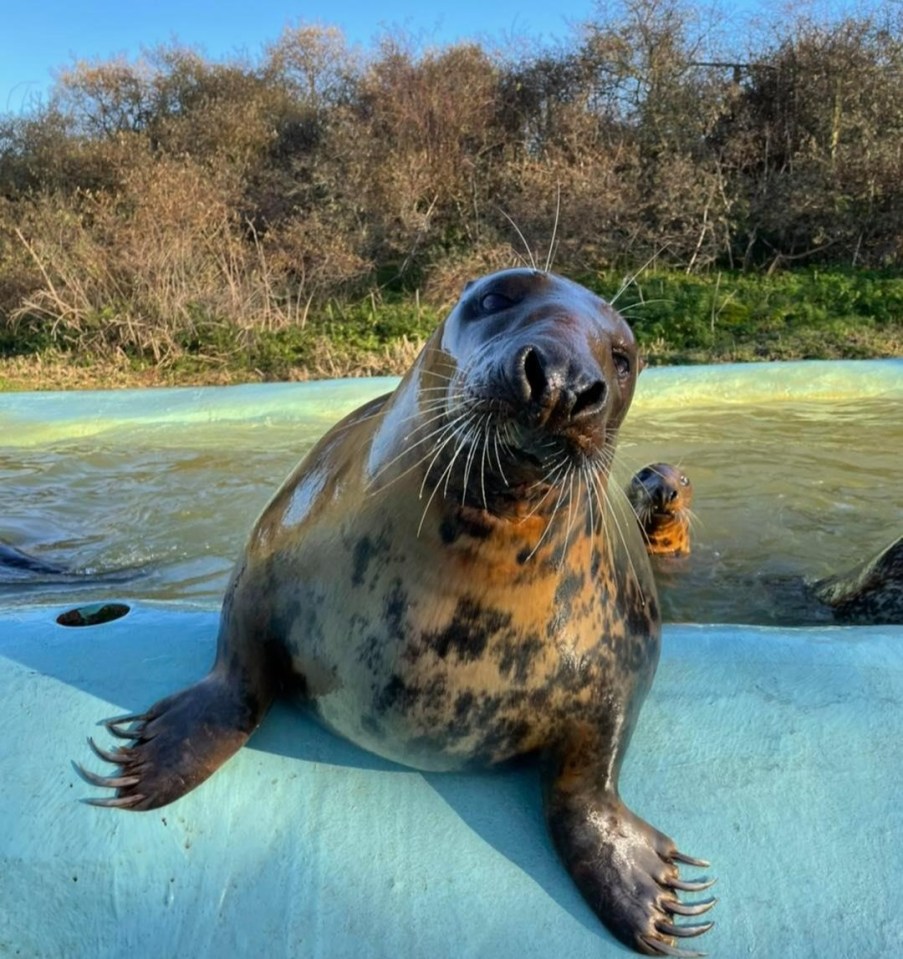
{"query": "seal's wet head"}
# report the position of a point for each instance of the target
(541, 374)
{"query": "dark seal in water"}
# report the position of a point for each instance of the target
(661, 495)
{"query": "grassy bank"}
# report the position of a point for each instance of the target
(712, 318)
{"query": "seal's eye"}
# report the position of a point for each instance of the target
(622, 363)
(495, 302)
(684, 481)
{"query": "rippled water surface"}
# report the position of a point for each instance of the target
(155, 503)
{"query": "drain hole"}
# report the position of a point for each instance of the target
(92, 615)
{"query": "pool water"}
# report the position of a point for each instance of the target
(149, 495)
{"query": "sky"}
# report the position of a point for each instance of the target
(38, 38)
(43, 36)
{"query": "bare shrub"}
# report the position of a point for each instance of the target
(146, 268)
(448, 277)
(814, 144)
(173, 204)
(420, 126)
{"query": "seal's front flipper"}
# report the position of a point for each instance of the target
(625, 869)
(177, 743)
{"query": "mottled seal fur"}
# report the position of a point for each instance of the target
(661, 496)
(446, 582)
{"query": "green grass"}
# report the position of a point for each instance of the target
(341, 339)
(812, 314)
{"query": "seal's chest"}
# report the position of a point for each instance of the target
(470, 682)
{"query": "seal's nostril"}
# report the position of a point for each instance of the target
(534, 375)
(589, 398)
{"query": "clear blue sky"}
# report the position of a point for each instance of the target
(39, 37)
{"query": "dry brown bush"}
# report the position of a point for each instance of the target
(448, 277)
(141, 269)
(420, 129)
(154, 203)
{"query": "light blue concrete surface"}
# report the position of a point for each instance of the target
(776, 754)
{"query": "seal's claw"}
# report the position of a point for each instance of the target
(107, 782)
(116, 757)
(659, 948)
(115, 802)
(115, 723)
(686, 886)
(689, 860)
(625, 868)
(178, 742)
(689, 908)
(683, 932)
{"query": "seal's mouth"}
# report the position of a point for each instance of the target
(652, 506)
(542, 446)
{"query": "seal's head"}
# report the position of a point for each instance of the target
(528, 378)
(661, 496)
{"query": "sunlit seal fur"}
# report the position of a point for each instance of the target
(661, 496)
(445, 582)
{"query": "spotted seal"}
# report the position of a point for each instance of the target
(445, 580)
(661, 495)
(24, 569)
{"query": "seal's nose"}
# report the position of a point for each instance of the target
(555, 384)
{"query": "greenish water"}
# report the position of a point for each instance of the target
(780, 491)
(796, 471)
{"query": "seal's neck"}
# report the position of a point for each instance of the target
(520, 537)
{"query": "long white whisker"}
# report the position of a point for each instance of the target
(470, 455)
(412, 446)
(498, 459)
(522, 239)
(445, 474)
(617, 528)
(483, 463)
(571, 510)
(464, 433)
(584, 469)
(551, 252)
(628, 281)
(452, 430)
(551, 520)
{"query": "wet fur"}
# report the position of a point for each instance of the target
(869, 594)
